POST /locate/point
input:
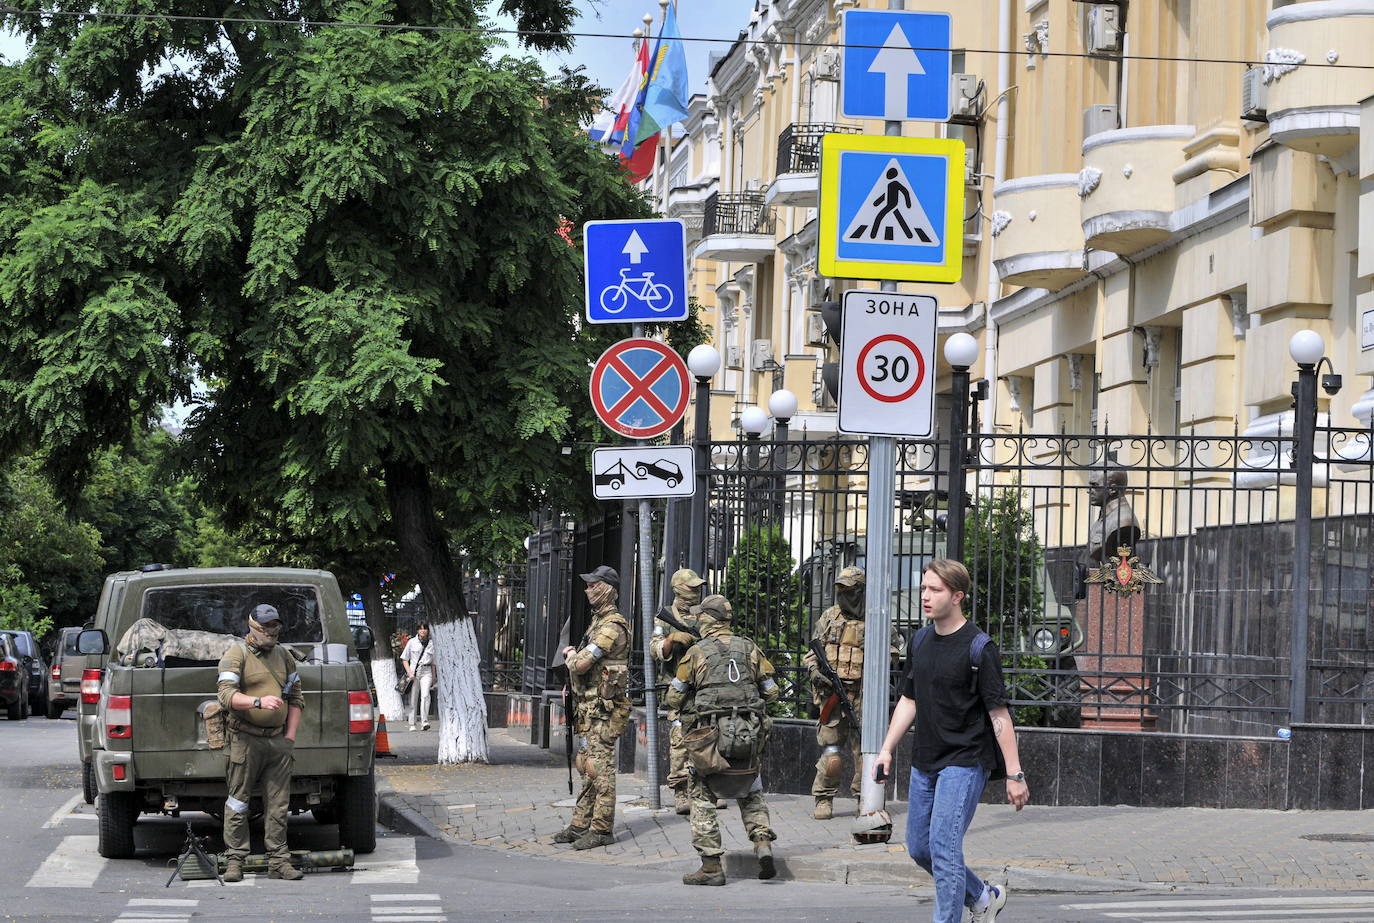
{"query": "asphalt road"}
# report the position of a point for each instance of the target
(49, 870)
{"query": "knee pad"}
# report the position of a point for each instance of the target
(589, 766)
(831, 761)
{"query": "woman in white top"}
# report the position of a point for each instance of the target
(418, 659)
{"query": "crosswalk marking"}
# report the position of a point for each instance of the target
(393, 862)
(1353, 901)
(1241, 909)
(74, 863)
(157, 910)
(418, 907)
(64, 812)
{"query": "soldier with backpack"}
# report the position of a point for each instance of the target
(953, 691)
(722, 688)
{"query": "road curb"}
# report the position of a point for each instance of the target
(394, 814)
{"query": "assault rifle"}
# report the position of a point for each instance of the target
(666, 614)
(837, 695)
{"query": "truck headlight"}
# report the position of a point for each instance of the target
(1044, 641)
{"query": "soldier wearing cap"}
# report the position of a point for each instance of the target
(261, 691)
(599, 674)
(667, 646)
(722, 687)
(841, 632)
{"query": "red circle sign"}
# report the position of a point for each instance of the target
(639, 388)
(896, 369)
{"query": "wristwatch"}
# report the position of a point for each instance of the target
(257, 703)
(1019, 776)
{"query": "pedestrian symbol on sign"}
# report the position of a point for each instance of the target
(892, 214)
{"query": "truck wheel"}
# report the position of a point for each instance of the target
(325, 815)
(356, 806)
(16, 711)
(55, 710)
(88, 789)
(117, 812)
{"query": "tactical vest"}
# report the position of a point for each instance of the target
(609, 678)
(844, 647)
(727, 693)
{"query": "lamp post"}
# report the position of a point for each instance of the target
(1307, 349)
(782, 404)
(961, 351)
(703, 362)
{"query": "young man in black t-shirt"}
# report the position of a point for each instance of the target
(952, 757)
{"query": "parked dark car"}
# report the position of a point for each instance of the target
(64, 679)
(14, 697)
(25, 648)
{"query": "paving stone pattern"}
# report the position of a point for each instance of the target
(520, 800)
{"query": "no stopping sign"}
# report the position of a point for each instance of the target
(887, 385)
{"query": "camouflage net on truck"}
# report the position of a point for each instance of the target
(150, 644)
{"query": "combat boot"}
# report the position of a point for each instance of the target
(233, 870)
(286, 872)
(570, 834)
(763, 849)
(825, 809)
(592, 839)
(682, 804)
(710, 873)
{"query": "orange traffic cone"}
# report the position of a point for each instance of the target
(383, 745)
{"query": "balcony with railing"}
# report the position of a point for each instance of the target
(736, 227)
(799, 163)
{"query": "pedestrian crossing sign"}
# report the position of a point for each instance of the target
(892, 208)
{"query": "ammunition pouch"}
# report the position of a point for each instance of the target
(216, 724)
(703, 751)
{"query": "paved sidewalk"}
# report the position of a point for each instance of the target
(520, 800)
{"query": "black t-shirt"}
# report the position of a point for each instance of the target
(951, 716)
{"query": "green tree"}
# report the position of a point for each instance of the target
(349, 232)
(766, 594)
(143, 509)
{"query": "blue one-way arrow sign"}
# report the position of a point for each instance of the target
(897, 65)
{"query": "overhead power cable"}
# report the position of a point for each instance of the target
(534, 33)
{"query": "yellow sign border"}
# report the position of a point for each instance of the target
(828, 263)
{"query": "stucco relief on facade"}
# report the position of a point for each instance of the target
(1088, 180)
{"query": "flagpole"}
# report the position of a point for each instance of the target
(663, 135)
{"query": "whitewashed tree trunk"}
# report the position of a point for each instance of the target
(462, 707)
(384, 675)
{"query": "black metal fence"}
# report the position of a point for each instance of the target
(736, 213)
(496, 603)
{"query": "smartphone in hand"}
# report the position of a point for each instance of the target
(881, 774)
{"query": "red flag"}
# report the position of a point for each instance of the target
(641, 163)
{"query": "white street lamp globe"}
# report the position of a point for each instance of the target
(782, 404)
(703, 360)
(961, 350)
(1306, 347)
(753, 421)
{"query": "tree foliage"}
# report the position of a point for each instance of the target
(768, 599)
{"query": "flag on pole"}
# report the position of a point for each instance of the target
(638, 156)
(666, 96)
(609, 125)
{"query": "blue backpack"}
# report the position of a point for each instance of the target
(975, 656)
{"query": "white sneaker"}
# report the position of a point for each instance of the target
(412, 727)
(989, 913)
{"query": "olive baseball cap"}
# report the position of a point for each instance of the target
(851, 576)
(603, 574)
(716, 606)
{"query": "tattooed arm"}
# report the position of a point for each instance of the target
(1018, 793)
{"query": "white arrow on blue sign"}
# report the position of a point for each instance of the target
(897, 65)
(636, 270)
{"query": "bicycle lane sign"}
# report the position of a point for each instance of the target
(636, 270)
(639, 388)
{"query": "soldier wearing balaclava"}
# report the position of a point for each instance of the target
(667, 646)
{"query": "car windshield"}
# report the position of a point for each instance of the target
(225, 609)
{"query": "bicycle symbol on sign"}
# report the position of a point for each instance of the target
(615, 298)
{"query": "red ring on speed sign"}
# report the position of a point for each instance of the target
(918, 378)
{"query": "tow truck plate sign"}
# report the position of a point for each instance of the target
(638, 472)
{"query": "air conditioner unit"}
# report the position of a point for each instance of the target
(828, 65)
(964, 93)
(733, 358)
(753, 184)
(1104, 29)
(972, 178)
(1100, 118)
(760, 353)
(815, 329)
(1254, 96)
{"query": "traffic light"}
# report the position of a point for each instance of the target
(830, 371)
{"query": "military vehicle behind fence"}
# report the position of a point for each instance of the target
(150, 676)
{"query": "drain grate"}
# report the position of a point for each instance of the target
(1340, 837)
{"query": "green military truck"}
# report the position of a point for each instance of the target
(150, 678)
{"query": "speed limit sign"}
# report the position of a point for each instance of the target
(887, 364)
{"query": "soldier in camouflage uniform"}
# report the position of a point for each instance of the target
(697, 679)
(599, 674)
(667, 646)
(261, 691)
(841, 631)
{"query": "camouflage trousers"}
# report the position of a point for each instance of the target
(834, 736)
(706, 825)
(596, 762)
(254, 761)
(679, 780)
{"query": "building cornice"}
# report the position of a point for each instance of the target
(1325, 9)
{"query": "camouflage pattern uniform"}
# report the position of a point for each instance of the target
(600, 681)
(841, 632)
(259, 753)
(667, 646)
(714, 616)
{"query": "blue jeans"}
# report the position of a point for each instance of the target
(939, 810)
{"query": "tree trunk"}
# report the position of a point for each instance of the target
(462, 707)
(383, 655)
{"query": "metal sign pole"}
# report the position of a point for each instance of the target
(873, 824)
(646, 605)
